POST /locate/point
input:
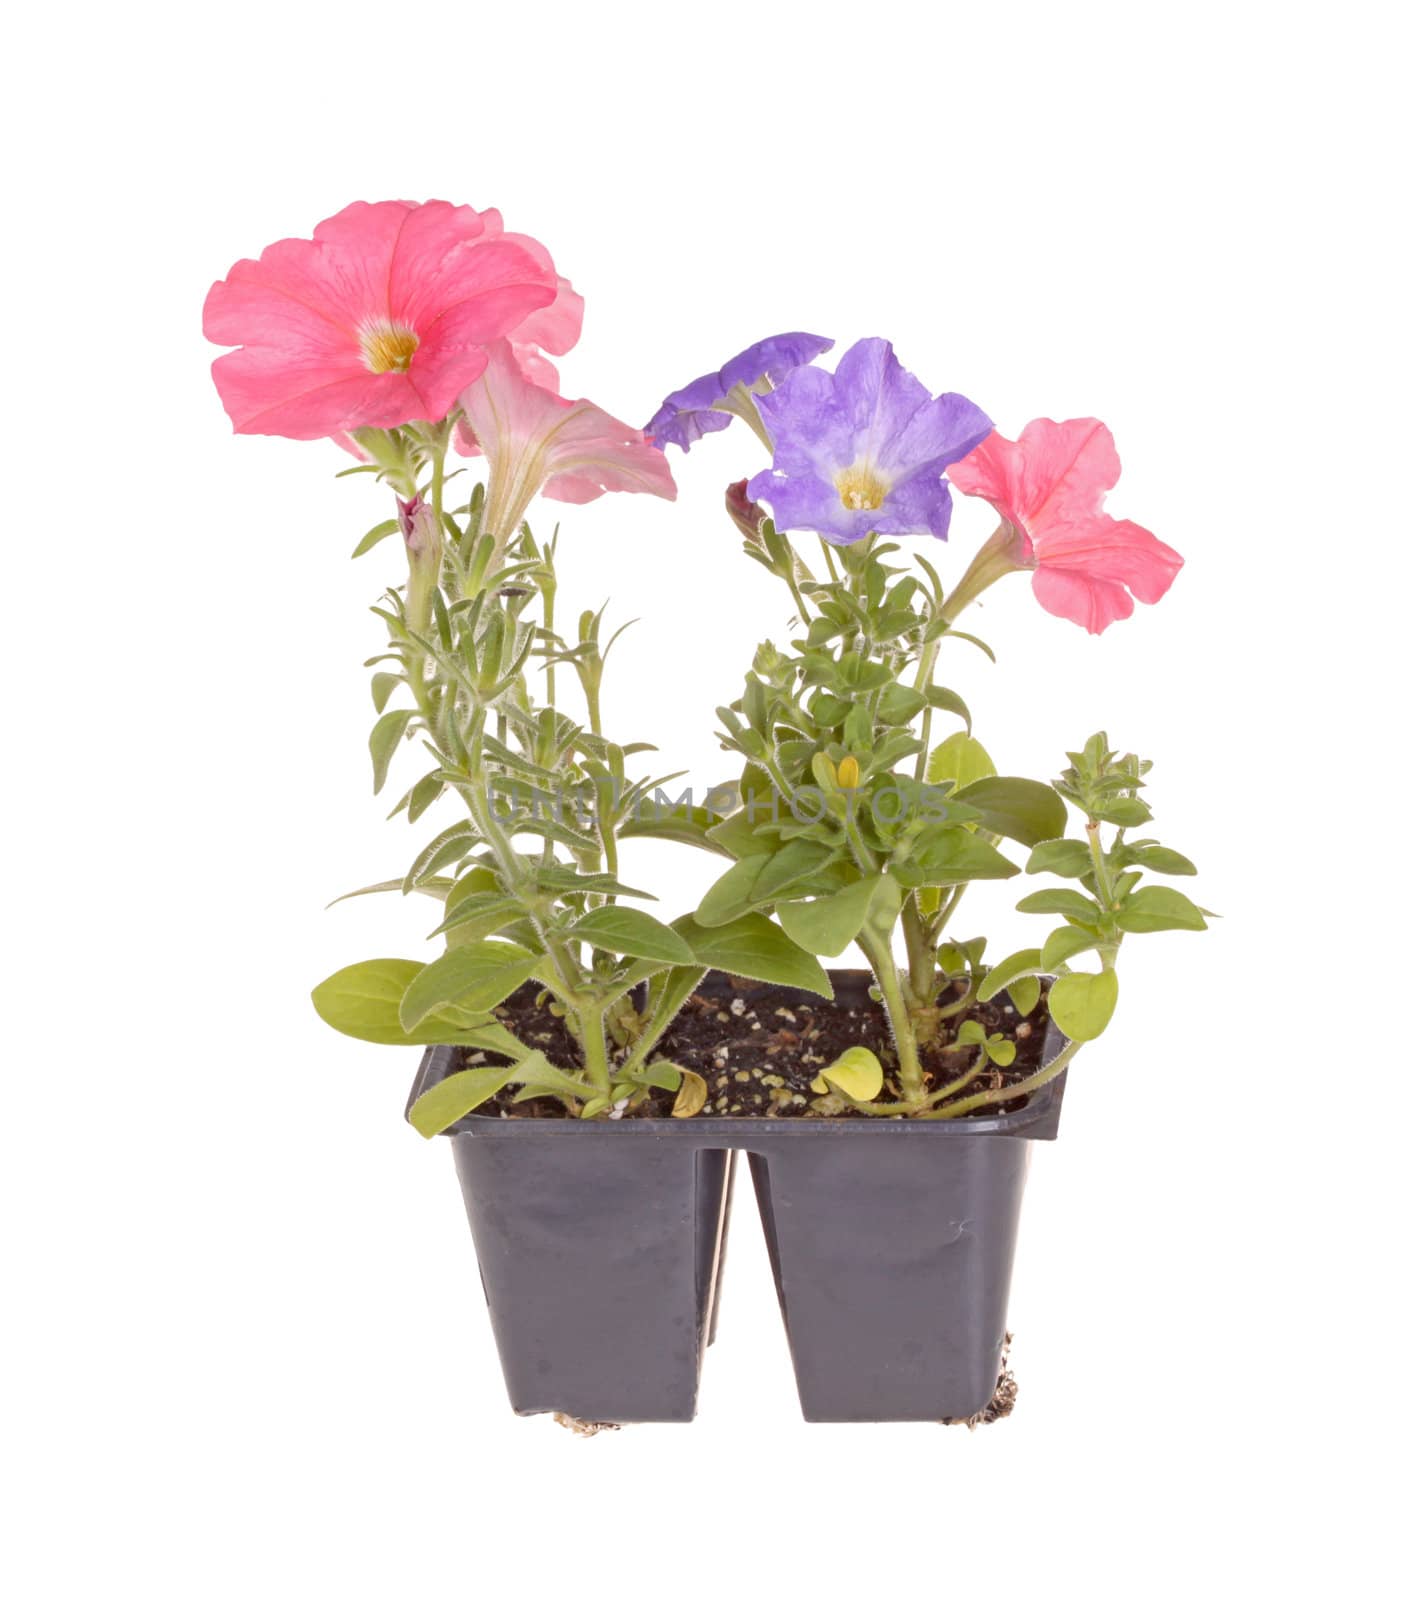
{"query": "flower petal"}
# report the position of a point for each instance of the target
(688, 414)
(1080, 597)
(938, 433)
(875, 388)
(444, 272)
(810, 503)
(538, 441)
(1122, 552)
(772, 358)
(1049, 484)
(920, 503)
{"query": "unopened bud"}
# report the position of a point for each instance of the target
(417, 521)
(848, 773)
(748, 516)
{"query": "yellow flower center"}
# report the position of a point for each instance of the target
(387, 347)
(861, 487)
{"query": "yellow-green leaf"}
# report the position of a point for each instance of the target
(1081, 1003)
(857, 1072)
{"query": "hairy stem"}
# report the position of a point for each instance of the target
(909, 1064)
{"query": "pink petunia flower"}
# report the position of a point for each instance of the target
(554, 328)
(538, 442)
(381, 318)
(1048, 486)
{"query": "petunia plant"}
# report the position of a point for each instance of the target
(411, 335)
(856, 824)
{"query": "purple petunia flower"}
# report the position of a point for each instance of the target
(689, 413)
(863, 450)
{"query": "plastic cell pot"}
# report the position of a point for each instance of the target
(891, 1242)
(600, 1246)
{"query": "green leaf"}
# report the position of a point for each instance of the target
(828, 926)
(971, 638)
(373, 536)
(451, 1099)
(568, 880)
(478, 915)
(495, 1036)
(1007, 972)
(1063, 943)
(474, 977)
(1156, 858)
(1023, 994)
(540, 1077)
(946, 700)
(1062, 903)
(386, 736)
(857, 1072)
(1156, 909)
(448, 847)
(735, 836)
(657, 1075)
(960, 760)
(1125, 811)
(728, 896)
(899, 703)
(383, 683)
(1081, 1003)
(362, 1001)
(1003, 1051)
(754, 947)
(1067, 858)
(436, 887)
(685, 824)
(952, 855)
(628, 932)
(425, 792)
(1018, 808)
(799, 859)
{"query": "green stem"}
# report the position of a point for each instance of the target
(547, 596)
(879, 952)
(997, 557)
(592, 1044)
(926, 665)
(921, 954)
(1008, 1091)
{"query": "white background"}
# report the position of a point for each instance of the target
(246, 1352)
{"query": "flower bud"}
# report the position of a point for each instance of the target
(417, 522)
(748, 515)
(422, 537)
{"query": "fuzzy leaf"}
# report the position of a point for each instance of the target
(451, 1099)
(754, 947)
(474, 977)
(1007, 972)
(627, 932)
(385, 738)
(1081, 1003)
(828, 926)
(1063, 943)
(1067, 858)
(1060, 902)
(1157, 909)
(363, 1002)
(1018, 808)
(1023, 994)
(960, 760)
(728, 896)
